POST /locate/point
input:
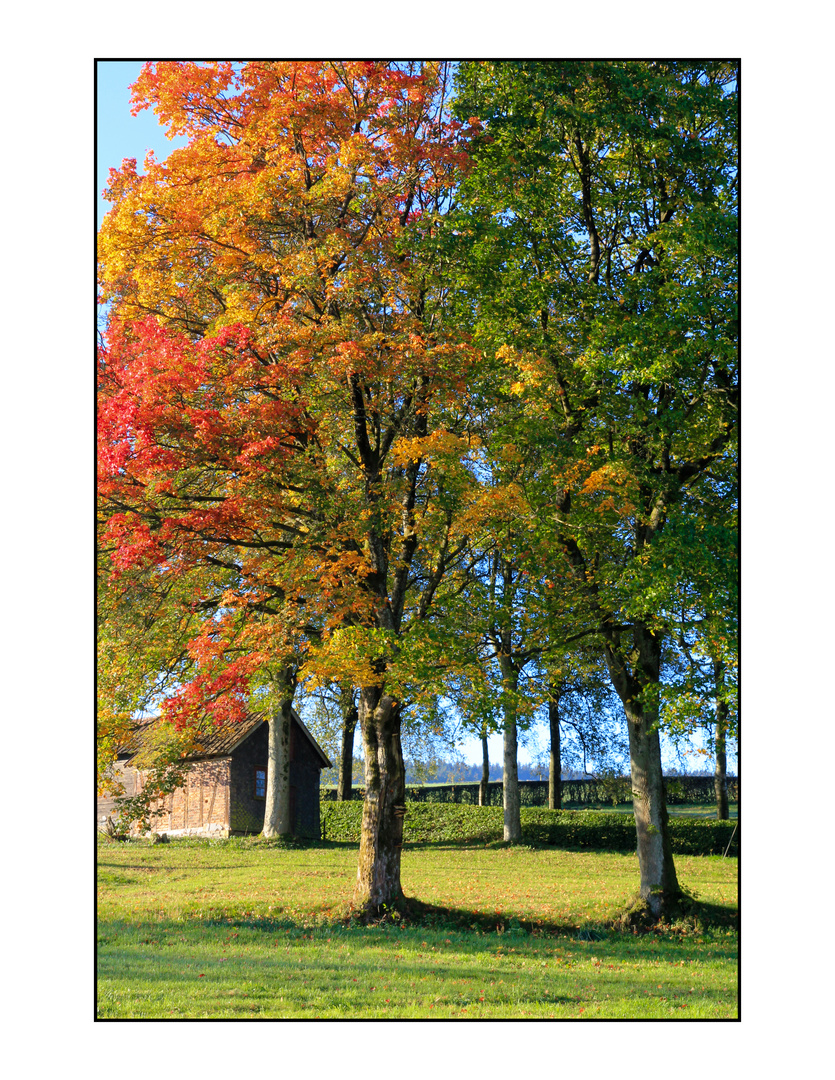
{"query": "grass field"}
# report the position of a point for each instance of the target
(249, 928)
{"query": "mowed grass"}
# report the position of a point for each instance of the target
(247, 928)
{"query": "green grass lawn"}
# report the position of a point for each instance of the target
(248, 928)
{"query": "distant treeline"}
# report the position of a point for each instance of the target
(447, 772)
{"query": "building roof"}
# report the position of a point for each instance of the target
(216, 741)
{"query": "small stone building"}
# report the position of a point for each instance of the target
(225, 789)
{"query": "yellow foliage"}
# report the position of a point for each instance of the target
(439, 444)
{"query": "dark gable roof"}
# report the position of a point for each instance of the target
(217, 740)
(320, 753)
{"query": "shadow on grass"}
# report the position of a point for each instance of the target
(207, 967)
(417, 914)
(687, 915)
(228, 968)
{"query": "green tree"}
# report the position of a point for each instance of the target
(602, 242)
(331, 713)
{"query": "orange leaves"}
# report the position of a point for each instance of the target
(295, 170)
(606, 477)
(177, 90)
(615, 479)
(342, 568)
(503, 503)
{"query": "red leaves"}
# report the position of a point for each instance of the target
(224, 698)
(169, 407)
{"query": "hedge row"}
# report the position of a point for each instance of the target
(680, 789)
(448, 823)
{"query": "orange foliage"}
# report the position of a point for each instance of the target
(272, 377)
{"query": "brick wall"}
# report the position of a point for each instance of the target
(202, 804)
(219, 795)
(106, 804)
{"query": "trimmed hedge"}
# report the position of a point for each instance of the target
(590, 829)
(680, 789)
(616, 832)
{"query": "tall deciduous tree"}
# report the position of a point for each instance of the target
(603, 240)
(282, 387)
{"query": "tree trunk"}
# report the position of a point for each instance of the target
(720, 775)
(510, 783)
(485, 772)
(638, 690)
(277, 809)
(659, 883)
(554, 763)
(346, 764)
(510, 779)
(378, 874)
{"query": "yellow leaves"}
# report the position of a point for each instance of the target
(349, 654)
(531, 370)
(597, 481)
(440, 444)
(506, 502)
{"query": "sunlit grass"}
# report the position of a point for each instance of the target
(242, 929)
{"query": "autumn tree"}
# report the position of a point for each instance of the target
(602, 242)
(283, 385)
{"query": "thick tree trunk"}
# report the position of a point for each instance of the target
(277, 809)
(554, 763)
(485, 773)
(346, 764)
(378, 874)
(720, 776)
(659, 884)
